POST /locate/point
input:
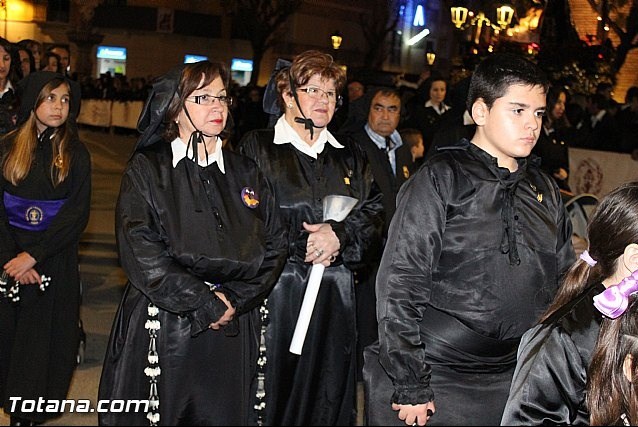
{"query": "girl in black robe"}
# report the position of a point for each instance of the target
(306, 163)
(550, 379)
(46, 195)
(612, 385)
(201, 243)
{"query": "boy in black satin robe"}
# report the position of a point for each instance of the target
(475, 252)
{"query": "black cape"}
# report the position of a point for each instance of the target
(550, 379)
(168, 251)
(39, 335)
(474, 256)
(318, 387)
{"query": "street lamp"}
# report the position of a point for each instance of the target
(336, 38)
(460, 14)
(504, 15)
(430, 56)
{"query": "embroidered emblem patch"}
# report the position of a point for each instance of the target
(346, 179)
(249, 198)
(33, 215)
(539, 195)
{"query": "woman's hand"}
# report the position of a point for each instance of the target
(20, 265)
(227, 316)
(31, 277)
(323, 244)
(414, 415)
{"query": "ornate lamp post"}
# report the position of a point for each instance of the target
(460, 15)
(504, 15)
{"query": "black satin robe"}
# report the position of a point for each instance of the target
(168, 249)
(39, 334)
(550, 379)
(318, 387)
(477, 245)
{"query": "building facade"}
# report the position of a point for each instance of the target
(143, 38)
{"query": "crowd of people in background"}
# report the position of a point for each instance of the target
(413, 231)
(591, 120)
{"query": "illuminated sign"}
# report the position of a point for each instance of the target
(419, 16)
(417, 38)
(189, 59)
(111, 52)
(239, 64)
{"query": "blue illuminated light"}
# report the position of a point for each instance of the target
(189, 59)
(111, 52)
(239, 64)
(419, 16)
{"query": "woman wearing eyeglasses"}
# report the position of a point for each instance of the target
(306, 163)
(201, 243)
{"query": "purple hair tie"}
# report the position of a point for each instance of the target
(613, 301)
(588, 259)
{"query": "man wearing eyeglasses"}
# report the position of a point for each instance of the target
(391, 163)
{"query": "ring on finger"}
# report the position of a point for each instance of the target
(332, 258)
(318, 252)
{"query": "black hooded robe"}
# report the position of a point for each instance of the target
(317, 387)
(168, 250)
(39, 334)
(474, 256)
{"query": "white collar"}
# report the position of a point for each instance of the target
(179, 148)
(379, 140)
(7, 87)
(286, 134)
(442, 108)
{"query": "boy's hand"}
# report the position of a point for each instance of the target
(415, 415)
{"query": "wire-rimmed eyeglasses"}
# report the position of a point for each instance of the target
(316, 93)
(205, 99)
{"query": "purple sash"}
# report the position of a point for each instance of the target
(31, 215)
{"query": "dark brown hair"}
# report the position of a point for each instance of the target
(194, 76)
(411, 136)
(609, 392)
(611, 228)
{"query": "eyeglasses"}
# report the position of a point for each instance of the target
(224, 100)
(316, 93)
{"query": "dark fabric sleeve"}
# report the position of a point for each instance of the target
(8, 247)
(145, 256)
(549, 382)
(361, 233)
(250, 293)
(404, 285)
(71, 220)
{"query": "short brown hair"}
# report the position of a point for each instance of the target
(303, 67)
